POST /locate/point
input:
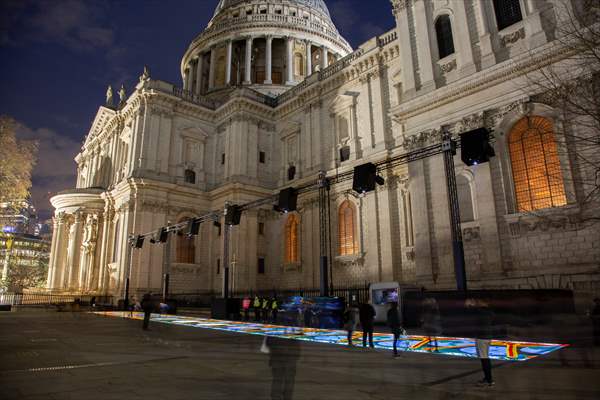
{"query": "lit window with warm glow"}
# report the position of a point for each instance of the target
(291, 239)
(535, 165)
(348, 245)
(186, 249)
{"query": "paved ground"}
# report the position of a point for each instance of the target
(51, 355)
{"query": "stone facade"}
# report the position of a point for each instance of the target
(166, 154)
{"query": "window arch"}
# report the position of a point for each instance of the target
(190, 176)
(536, 171)
(291, 239)
(445, 41)
(508, 12)
(465, 199)
(186, 249)
(347, 240)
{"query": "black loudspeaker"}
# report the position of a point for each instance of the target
(138, 242)
(288, 199)
(475, 147)
(225, 309)
(162, 235)
(193, 227)
(365, 177)
(234, 215)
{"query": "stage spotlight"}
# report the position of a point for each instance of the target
(475, 147)
(365, 178)
(193, 227)
(162, 236)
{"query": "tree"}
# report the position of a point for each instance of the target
(17, 159)
(572, 87)
(25, 275)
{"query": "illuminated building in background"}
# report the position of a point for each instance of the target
(271, 94)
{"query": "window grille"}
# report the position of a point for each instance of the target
(508, 12)
(443, 30)
(291, 239)
(348, 245)
(535, 165)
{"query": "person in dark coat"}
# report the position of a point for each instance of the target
(393, 321)
(148, 307)
(430, 317)
(283, 357)
(481, 319)
(367, 317)
(596, 321)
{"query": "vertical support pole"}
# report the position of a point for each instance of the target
(166, 268)
(226, 233)
(128, 275)
(449, 149)
(323, 183)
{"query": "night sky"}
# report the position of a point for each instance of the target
(58, 56)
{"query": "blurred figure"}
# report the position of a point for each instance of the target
(265, 309)
(148, 307)
(481, 317)
(256, 305)
(430, 317)
(367, 316)
(93, 302)
(274, 309)
(137, 306)
(351, 316)
(283, 357)
(393, 321)
(246, 307)
(596, 321)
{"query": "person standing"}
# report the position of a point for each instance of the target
(274, 309)
(246, 307)
(351, 321)
(148, 307)
(596, 321)
(265, 309)
(393, 321)
(482, 321)
(367, 317)
(256, 305)
(283, 359)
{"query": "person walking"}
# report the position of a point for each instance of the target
(367, 317)
(283, 359)
(482, 321)
(393, 321)
(596, 321)
(148, 307)
(256, 305)
(246, 307)
(430, 317)
(351, 321)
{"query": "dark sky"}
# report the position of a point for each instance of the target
(58, 56)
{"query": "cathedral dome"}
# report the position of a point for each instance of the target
(269, 45)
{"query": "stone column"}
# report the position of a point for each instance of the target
(290, 61)
(534, 32)
(424, 47)
(103, 269)
(52, 261)
(74, 251)
(324, 57)
(485, 40)
(308, 58)
(408, 69)
(269, 60)
(186, 79)
(228, 63)
(466, 63)
(199, 73)
(58, 257)
(248, 71)
(211, 74)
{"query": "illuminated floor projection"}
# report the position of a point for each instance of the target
(449, 346)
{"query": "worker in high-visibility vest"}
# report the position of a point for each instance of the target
(274, 309)
(256, 305)
(265, 307)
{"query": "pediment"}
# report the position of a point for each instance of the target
(193, 132)
(290, 128)
(342, 102)
(102, 117)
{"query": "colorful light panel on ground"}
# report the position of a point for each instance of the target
(448, 346)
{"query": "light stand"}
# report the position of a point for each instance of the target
(323, 183)
(449, 150)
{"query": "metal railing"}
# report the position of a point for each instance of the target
(37, 299)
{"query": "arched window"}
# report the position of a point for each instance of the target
(291, 239)
(298, 64)
(535, 165)
(190, 176)
(443, 30)
(186, 249)
(508, 12)
(465, 199)
(347, 241)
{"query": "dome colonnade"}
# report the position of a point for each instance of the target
(276, 43)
